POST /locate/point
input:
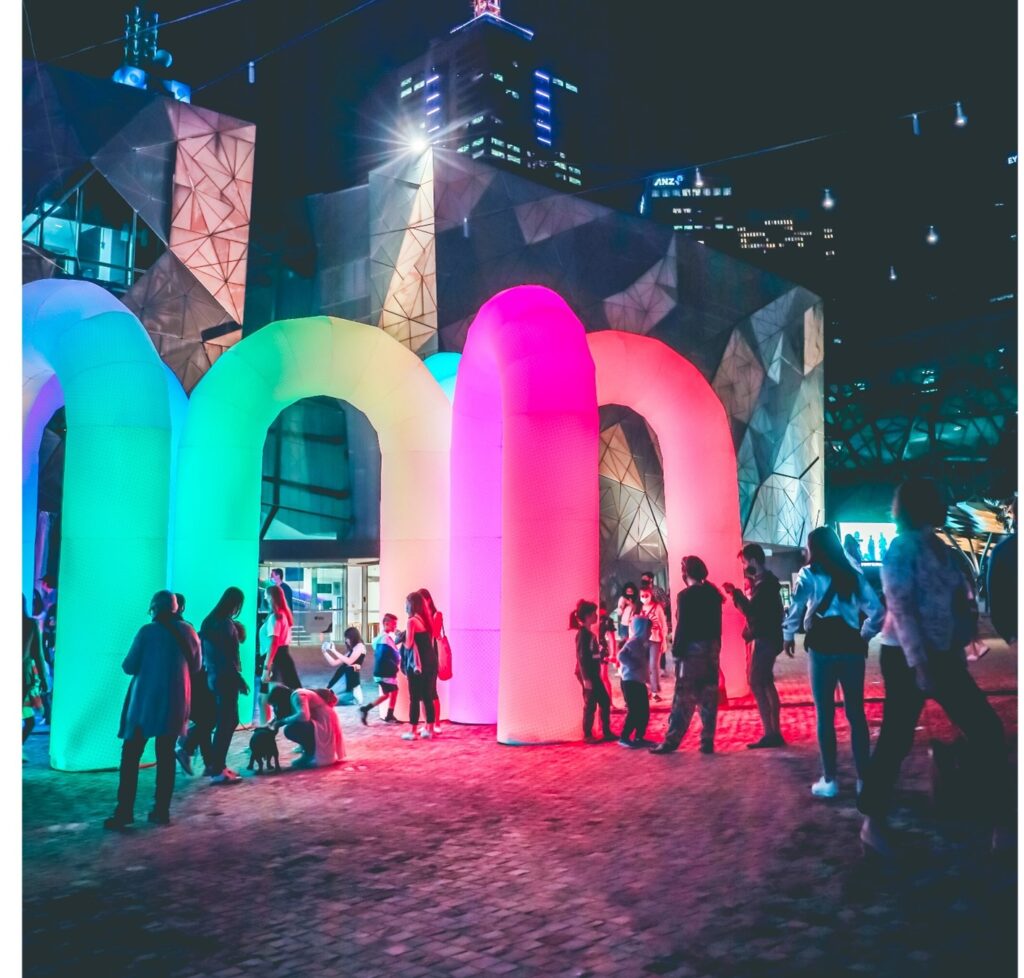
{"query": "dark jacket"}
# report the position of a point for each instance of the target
(588, 657)
(220, 655)
(1002, 588)
(763, 610)
(386, 658)
(698, 617)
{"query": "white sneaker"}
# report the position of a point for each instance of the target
(437, 728)
(425, 734)
(357, 695)
(409, 735)
(825, 789)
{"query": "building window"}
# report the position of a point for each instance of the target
(478, 142)
(498, 153)
(512, 92)
(464, 148)
(418, 86)
(513, 159)
(570, 87)
(497, 76)
(406, 91)
(496, 141)
(476, 120)
(575, 181)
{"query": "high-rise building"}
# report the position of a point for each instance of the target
(486, 90)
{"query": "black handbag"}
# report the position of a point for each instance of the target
(833, 635)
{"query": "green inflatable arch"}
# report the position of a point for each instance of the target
(117, 486)
(219, 478)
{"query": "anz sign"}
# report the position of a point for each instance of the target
(672, 181)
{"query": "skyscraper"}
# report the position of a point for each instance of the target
(486, 90)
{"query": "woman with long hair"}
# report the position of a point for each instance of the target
(348, 664)
(437, 626)
(308, 719)
(831, 598)
(221, 636)
(419, 663)
(928, 622)
(276, 637)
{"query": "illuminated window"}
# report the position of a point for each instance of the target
(418, 86)
(478, 142)
(571, 88)
(574, 180)
(464, 148)
(558, 82)
(559, 164)
(406, 91)
(727, 191)
(512, 92)
(717, 192)
(478, 154)
(513, 147)
(513, 159)
(498, 153)
(476, 120)
(497, 76)
(406, 81)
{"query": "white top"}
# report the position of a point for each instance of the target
(275, 627)
(811, 588)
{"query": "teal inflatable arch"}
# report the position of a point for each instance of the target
(216, 537)
(83, 348)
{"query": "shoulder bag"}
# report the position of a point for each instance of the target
(832, 635)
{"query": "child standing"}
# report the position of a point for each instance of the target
(634, 665)
(386, 659)
(588, 671)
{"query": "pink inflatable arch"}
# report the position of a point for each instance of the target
(701, 488)
(525, 511)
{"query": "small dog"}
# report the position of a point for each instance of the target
(263, 748)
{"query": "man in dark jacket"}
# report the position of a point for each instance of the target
(696, 647)
(763, 611)
(1002, 583)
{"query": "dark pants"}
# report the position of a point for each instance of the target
(349, 673)
(422, 691)
(638, 709)
(226, 719)
(762, 683)
(846, 670)
(203, 716)
(283, 670)
(131, 754)
(27, 726)
(302, 733)
(596, 696)
(696, 688)
(967, 706)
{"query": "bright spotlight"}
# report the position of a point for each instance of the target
(418, 144)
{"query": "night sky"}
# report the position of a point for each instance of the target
(666, 84)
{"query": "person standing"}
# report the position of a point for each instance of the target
(386, 663)
(436, 621)
(277, 580)
(162, 660)
(308, 719)
(634, 660)
(588, 671)
(663, 598)
(763, 612)
(655, 613)
(697, 648)
(627, 606)
(202, 713)
(929, 614)
(420, 666)
(1002, 583)
(852, 548)
(276, 637)
(33, 672)
(831, 598)
(221, 636)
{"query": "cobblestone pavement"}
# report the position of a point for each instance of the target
(462, 858)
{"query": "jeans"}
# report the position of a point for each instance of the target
(638, 709)
(302, 732)
(596, 696)
(422, 690)
(762, 683)
(967, 706)
(654, 665)
(846, 669)
(349, 673)
(226, 712)
(696, 687)
(128, 784)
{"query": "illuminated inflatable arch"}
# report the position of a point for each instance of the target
(525, 512)
(84, 349)
(701, 490)
(216, 538)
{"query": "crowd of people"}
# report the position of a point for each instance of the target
(185, 683)
(928, 618)
(185, 687)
